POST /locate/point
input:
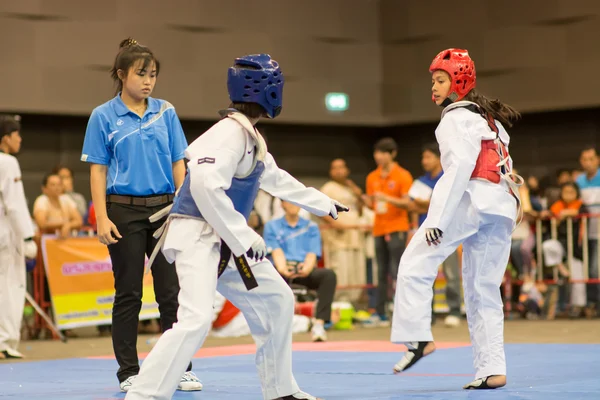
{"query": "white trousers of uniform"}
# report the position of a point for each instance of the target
(12, 295)
(268, 309)
(486, 247)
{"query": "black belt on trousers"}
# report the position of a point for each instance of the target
(150, 201)
(241, 263)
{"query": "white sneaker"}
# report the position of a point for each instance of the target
(318, 334)
(126, 384)
(189, 382)
(452, 321)
(377, 322)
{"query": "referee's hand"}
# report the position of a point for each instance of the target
(108, 232)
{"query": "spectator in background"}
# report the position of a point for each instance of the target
(536, 194)
(55, 212)
(66, 175)
(387, 195)
(552, 193)
(523, 238)
(570, 205)
(344, 238)
(295, 245)
(420, 193)
(269, 208)
(589, 184)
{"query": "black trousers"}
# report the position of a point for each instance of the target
(324, 281)
(128, 257)
(388, 252)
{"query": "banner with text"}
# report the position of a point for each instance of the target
(81, 282)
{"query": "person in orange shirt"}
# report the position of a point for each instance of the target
(387, 195)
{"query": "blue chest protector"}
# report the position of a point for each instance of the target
(243, 192)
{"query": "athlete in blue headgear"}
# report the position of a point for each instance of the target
(213, 247)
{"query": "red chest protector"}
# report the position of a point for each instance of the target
(493, 157)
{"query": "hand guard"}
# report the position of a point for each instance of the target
(433, 236)
(30, 249)
(258, 250)
(337, 207)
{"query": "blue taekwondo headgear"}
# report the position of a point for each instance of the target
(256, 79)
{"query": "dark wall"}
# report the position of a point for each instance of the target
(541, 143)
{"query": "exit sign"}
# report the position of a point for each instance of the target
(337, 101)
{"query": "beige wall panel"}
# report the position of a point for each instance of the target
(21, 6)
(525, 47)
(532, 53)
(81, 10)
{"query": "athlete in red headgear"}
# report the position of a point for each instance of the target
(475, 204)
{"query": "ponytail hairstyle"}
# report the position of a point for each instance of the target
(502, 112)
(130, 51)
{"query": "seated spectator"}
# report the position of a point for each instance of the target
(552, 193)
(295, 244)
(55, 212)
(66, 176)
(531, 299)
(269, 208)
(570, 205)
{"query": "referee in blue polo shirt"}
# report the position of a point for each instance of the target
(135, 145)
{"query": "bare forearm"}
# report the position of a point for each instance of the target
(310, 261)
(76, 221)
(98, 189)
(414, 218)
(48, 226)
(279, 259)
(401, 202)
(178, 173)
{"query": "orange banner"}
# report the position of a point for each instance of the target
(81, 282)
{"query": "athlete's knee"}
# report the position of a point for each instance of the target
(284, 301)
(194, 320)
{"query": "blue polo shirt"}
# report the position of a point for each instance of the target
(590, 195)
(295, 241)
(430, 181)
(139, 152)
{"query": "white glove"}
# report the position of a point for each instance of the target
(258, 250)
(337, 207)
(433, 236)
(30, 249)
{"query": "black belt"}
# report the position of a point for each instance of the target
(151, 201)
(241, 263)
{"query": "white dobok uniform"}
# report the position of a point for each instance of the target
(476, 213)
(229, 151)
(15, 226)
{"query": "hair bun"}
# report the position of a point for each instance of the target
(127, 43)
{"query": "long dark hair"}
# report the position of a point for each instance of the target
(130, 51)
(500, 111)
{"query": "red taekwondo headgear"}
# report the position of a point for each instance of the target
(461, 68)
